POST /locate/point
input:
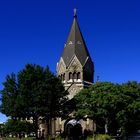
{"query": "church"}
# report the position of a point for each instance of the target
(76, 70)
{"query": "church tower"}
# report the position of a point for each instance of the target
(75, 66)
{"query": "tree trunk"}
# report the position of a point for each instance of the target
(36, 126)
(106, 126)
(49, 127)
(94, 128)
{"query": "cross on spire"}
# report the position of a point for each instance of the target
(74, 10)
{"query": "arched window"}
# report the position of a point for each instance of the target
(78, 75)
(74, 75)
(70, 75)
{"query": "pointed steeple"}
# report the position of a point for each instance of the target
(75, 45)
(75, 67)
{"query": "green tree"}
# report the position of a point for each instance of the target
(111, 106)
(130, 116)
(35, 92)
(9, 96)
(17, 127)
(101, 102)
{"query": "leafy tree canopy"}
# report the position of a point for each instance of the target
(33, 92)
(18, 127)
(111, 106)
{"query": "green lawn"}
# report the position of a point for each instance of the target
(29, 138)
(98, 137)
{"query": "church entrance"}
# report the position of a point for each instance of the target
(73, 129)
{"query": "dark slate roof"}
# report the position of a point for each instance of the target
(75, 45)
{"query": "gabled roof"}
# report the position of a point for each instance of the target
(75, 45)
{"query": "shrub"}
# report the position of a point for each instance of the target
(100, 137)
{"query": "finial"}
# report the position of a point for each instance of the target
(75, 12)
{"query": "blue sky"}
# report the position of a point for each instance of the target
(35, 31)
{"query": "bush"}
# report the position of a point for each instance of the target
(100, 137)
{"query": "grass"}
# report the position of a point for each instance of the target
(98, 137)
(29, 138)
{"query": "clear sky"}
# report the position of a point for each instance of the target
(35, 31)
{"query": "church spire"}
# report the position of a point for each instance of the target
(75, 44)
(75, 66)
